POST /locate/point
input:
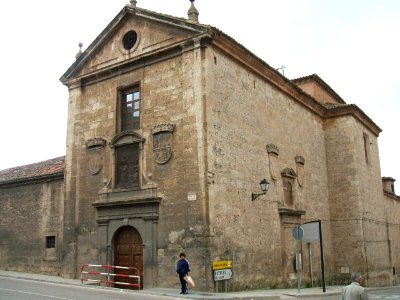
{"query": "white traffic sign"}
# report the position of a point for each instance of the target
(311, 232)
(223, 274)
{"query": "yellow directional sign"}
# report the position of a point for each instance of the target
(219, 265)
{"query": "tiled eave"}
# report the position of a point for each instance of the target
(52, 169)
(334, 111)
(315, 78)
(31, 180)
(391, 195)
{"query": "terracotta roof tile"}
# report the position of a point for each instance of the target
(41, 169)
(323, 84)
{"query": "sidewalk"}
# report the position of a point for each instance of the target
(332, 292)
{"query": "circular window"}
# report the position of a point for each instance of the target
(129, 40)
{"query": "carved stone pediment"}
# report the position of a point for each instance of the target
(290, 212)
(163, 128)
(289, 172)
(126, 137)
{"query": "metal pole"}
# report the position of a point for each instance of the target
(298, 262)
(322, 256)
(310, 260)
(233, 273)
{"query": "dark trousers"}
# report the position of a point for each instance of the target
(183, 283)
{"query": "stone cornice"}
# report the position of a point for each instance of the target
(355, 111)
(291, 212)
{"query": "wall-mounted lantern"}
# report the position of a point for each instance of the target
(264, 184)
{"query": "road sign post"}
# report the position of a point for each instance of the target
(222, 272)
(298, 233)
(313, 233)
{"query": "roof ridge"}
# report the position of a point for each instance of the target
(314, 77)
(34, 170)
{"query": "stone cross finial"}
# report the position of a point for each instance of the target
(193, 14)
(133, 3)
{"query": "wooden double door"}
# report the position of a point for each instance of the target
(128, 252)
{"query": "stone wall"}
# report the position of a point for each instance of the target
(29, 214)
(358, 214)
(244, 114)
(228, 111)
(169, 96)
(392, 236)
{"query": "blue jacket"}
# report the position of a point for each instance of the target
(183, 267)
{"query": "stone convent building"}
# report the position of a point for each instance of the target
(172, 125)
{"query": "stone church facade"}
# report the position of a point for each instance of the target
(171, 126)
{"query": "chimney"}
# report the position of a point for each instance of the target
(388, 184)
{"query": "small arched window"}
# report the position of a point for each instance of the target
(288, 180)
(288, 193)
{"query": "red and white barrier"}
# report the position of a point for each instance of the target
(100, 272)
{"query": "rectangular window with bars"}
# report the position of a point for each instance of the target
(50, 241)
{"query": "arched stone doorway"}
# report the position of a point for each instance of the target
(128, 252)
(138, 210)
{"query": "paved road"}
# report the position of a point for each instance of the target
(393, 294)
(22, 289)
(384, 294)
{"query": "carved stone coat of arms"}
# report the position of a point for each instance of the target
(95, 148)
(162, 142)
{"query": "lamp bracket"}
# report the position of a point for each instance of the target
(254, 196)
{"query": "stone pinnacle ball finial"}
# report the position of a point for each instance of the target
(133, 3)
(80, 51)
(193, 14)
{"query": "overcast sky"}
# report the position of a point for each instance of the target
(353, 45)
